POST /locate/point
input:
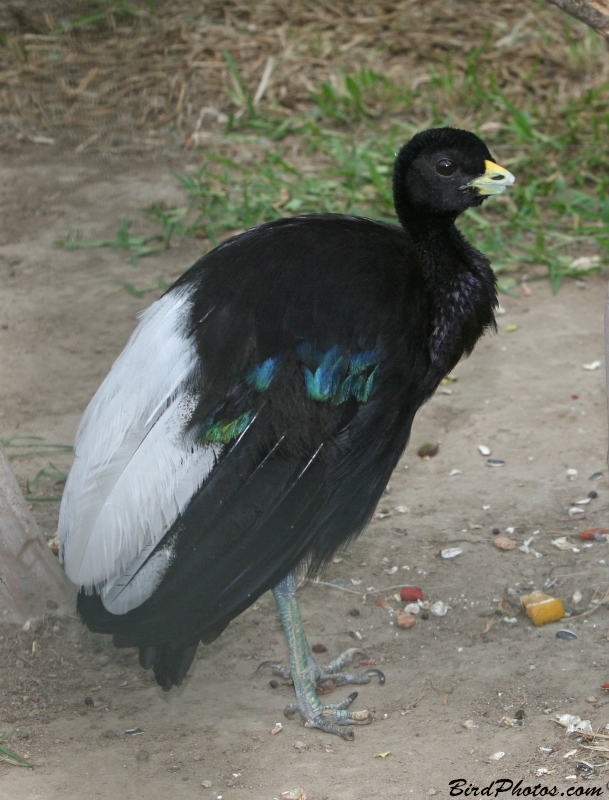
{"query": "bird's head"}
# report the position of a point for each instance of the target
(442, 172)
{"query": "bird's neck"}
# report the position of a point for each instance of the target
(460, 285)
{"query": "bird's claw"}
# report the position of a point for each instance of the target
(331, 718)
(330, 672)
(277, 669)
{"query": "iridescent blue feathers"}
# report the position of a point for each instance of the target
(335, 377)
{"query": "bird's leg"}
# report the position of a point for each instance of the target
(305, 672)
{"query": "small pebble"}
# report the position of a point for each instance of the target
(428, 450)
(495, 531)
(596, 476)
(495, 462)
(424, 615)
(405, 620)
(206, 784)
(571, 474)
(438, 609)
(591, 699)
(299, 745)
(319, 648)
(431, 791)
(277, 729)
(497, 756)
(592, 495)
(504, 543)
(88, 701)
(273, 683)
(484, 450)
(355, 612)
(565, 634)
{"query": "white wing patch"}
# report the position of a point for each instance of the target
(135, 468)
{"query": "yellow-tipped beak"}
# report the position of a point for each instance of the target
(495, 179)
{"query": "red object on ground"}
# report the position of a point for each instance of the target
(597, 534)
(605, 686)
(410, 594)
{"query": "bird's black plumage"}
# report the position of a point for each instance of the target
(317, 338)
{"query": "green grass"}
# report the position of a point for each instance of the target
(558, 210)
(22, 446)
(25, 446)
(11, 758)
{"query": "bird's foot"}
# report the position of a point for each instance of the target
(331, 718)
(320, 675)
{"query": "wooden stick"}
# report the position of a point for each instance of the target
(594, 13)
(30, 575)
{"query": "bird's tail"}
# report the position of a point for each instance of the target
(170, 665)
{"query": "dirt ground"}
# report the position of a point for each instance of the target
(67, 697)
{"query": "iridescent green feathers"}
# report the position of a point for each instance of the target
(333, 377)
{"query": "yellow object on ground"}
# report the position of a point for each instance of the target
(542, 608)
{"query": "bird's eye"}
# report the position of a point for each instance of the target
(446, 167)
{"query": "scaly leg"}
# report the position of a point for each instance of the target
(305, 672)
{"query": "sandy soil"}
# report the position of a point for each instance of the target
(67, 697)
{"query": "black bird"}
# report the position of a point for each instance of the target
(254, 418)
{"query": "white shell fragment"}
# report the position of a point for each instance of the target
(484, 450)
(585, 262)
(438, 609)
(571, 474)
(451, 552)
(277, 729)
(402, 509)
(294, 794)
(412, 608)
(575, 510)
(583, 502)
(592, 365)
(469, 725)
(455, 472)
(562, 543)
(577, 597)
(573, 723)
(496, 756)
(391, 571)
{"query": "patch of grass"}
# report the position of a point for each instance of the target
(22, 446)
(138, 246)
(346, 143)
(51, 472)
(11, 758)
